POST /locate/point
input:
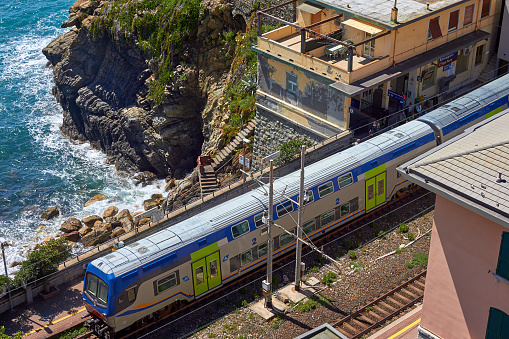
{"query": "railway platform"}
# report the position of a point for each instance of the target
(44, 319)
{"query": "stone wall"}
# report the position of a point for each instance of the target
(272, 131)
(245, 7)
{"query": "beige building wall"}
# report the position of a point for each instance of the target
(459, 288)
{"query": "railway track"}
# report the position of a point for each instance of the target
(386, 307)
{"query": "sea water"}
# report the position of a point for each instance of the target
(39, 167)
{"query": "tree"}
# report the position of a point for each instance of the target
(291, 148)
(43, 261)
(5, 336)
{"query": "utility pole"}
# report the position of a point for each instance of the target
(298, 250)
(3, 245)
(268, 298)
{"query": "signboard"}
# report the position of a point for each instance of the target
(394, 95)
(351, 110)
(356, 103)
(447, 59)
(241, 161)
(446, 67)
(265, 161)
(419, 78)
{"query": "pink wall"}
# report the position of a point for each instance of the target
(459, 290)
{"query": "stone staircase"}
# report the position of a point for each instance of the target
(226, 153)
(489, 71)
(206, 175)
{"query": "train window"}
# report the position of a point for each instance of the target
(121, 299)
(213, 269)
(284, 208)
(131, 294)
(345, 209)
(327, 218)
(262, 250)
(371, 192)
(240, 229)
(166, 282)
(345, 180)
(265, 230)
(381, 187)
(310, 198)
(258, 220)
(286, 238)
(96, 289)
(200, 275)
(309, 226)
(325, 189)
(246, 258)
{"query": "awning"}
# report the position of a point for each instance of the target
(362, 26)
(411, 64)
(310, 8)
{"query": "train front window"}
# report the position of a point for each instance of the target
(96, 289)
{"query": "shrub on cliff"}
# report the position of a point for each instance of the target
(160, 26)
(291, 148)
(43, 260)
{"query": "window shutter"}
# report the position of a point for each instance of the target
(503, 257)
(469, 15)
(485, 11)
(434, 27)
(498, 324)
(453, 19)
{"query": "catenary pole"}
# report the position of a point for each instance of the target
(298, 251)
(3, 245)
(268, 298)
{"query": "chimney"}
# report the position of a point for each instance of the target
(394, 12)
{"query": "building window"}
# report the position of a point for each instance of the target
(326, 218)
(240, 229)
(503, 257)
(462, 62)
(434, 31)
(479, 52)
(291, 82)
(498, 324)
(284, 208)
(485, 9)
(453, 21)
(428, 78)
(369, 48)
(469, 15)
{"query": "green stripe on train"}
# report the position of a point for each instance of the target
(492, 113)
(375, 171)
(204, 251)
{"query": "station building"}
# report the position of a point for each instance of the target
(467, 283)
(341, 64)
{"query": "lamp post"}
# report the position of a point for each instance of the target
(244, 142)
(4, 245)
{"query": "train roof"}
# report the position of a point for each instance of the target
(239, 208)
(468, 103)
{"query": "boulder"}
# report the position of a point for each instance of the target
(116, 232)
(149, 204)
(41, 228)
(84, 230)
(116, 224)
(96, 237)
(50, 213)
(144, 178)
(91, 219)
(15, 263)
(169, 185)
(70, 225)
(95, 199)
(145, 221)
(127, 223)
(123, 214)
(156, 196)
(97, 224)
(72, 236)
(89, 239)
(110, 212)
(47, 239)
(107, 226)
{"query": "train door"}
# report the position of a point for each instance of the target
(375, 190)
(206, 273)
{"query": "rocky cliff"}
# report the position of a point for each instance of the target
(107, 77)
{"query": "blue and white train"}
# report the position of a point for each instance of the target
(191, 258)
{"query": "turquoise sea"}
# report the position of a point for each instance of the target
(39, 167)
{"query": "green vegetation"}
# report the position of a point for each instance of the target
(352, 255)
(420, 259)
(349, 245)
(399, 250)
(72, 333)
(403, 228)
(275, 281)
(291, 148)
(368, 309)
(306, 306)
(4, 280)
(411, 236)
(313, 269)
(228, 327)
(244, 303)
(43, 260)
(161, 26)
(358, 265)
(329, 278)
(381, 234)
(5, 336)
(212, 335)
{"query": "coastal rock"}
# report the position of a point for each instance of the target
(97, 224)
(90, 220)
(70, 225)
(145, 221)
(149, 204)
(95, 199)
(50, 213)
(124, 214)
(144, 178)
(110, 212)
(89, 239)
(127, 223)
(84, 230)
(169, 185)
(116, 224)
(41, 228)
(72, 236)
(15, 263)
(116, 232)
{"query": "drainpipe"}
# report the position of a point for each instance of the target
(350, 59)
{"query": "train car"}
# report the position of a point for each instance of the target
(191, 258)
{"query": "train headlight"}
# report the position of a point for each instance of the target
(105, 318)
